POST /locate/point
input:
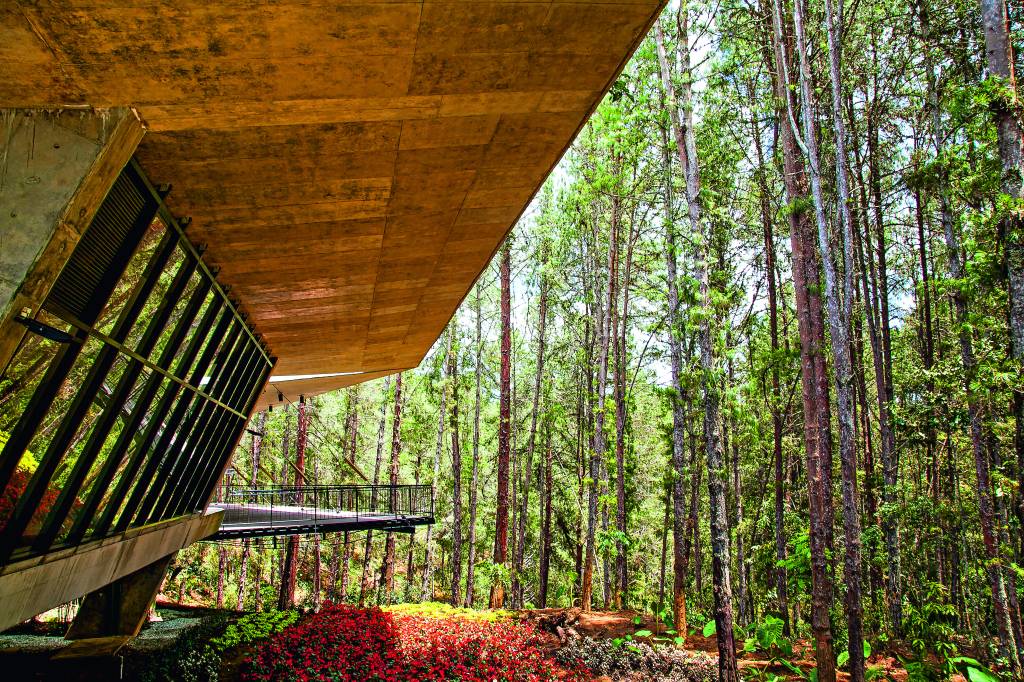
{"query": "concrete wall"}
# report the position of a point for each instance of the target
(55, 169)
(36, 585)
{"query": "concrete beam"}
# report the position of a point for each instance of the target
(35, 585)
(56, 167)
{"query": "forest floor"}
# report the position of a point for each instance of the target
(615, 625)
(606, 636)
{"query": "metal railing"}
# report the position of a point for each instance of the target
(312, 507)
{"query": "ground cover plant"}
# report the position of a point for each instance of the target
(346, 643)
(433, 609)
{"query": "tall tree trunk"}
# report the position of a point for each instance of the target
(497, 599)
(1000, 61)
(538, 380)
(222, 567)
(258, 583)
(387, 572)
(341, 586)
(680, 531)
(814, 375)
(599, 446)
(474, 476)
(366, 580)
(544, 564)
(256, 447)
(289, 574)
(619, 338)
(840, 309)
(317, 573)
(775, 399)
(986, 509)
(428, 562)
(692, 527)
(720, 559)
(453, 377)
(875, 297)
(352, 424)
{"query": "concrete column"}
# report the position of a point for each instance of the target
(120, 608)
(56, 167)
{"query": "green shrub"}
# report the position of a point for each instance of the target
(188, 660)
(252, 627)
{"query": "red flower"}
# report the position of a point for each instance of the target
(345, 643)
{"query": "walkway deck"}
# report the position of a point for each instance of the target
(298, 510)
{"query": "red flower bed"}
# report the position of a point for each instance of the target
(338, 643)
(345, 643)
(475, 651)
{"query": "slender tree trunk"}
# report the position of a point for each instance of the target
(814, 375)
(584, 425)
(428, 562)
(473, 481)
(875, 297)
(840, 307)
(341, 586)
(453, 377)
(1000, 61)
(317, 572)
(222, 567)
(619, 338)
(662, 569)
(524, 511)
(720, 559)
(680, 531)
(692, 527)
(387, 572)
(257, 445)
(600, 443)
(289, 574)
(730, 444)
(258, 583)
(497, 599)
(366, 580)
(775, 400)
(545, 533)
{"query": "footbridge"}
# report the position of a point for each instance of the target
(307, 509)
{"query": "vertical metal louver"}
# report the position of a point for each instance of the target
(102, 253)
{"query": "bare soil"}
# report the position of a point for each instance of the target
(614, 624)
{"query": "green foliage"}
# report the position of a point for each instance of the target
(253, 627)
(710, 628)
(973, 669)
(191, 659)
(844, 656)
(930, 623)
(768, 638)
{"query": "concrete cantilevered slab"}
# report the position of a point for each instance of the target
(352, 166)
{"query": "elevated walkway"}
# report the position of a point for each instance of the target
(297, 510)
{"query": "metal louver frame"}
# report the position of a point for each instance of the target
(170, 448)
